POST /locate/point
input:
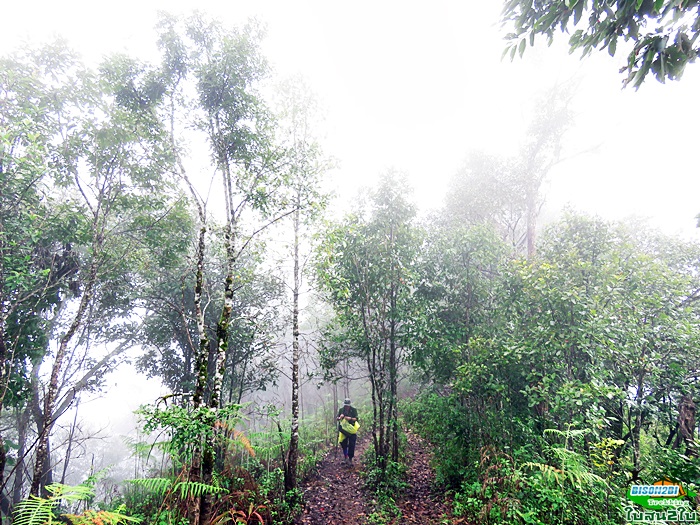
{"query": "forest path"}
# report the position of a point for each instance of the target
(335, 494)
(420, 502)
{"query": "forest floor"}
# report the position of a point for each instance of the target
(335, 493)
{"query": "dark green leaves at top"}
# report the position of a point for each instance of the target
(660, 20)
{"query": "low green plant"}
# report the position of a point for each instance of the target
(181, 489)
(388, 479)
(44, 511)
(565, 489)
(239, 516)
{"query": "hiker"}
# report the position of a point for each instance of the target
(347, 428)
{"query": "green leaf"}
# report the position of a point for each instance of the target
(612, 46)
(578, 11)
(521, 47)
(505, 52)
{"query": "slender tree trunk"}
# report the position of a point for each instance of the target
(393, 365)
(290, 478)
(531, 222)
(201, 370)
(22, 419)
(4, 383)
(686, 424)
(393, 380)
(3, 459)
(42, 450)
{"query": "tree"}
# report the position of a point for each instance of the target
(488, 191)
(211, 76)
(37, 263)
(110, 164)
(664, 32)
(506, 192)
(600, 330)
(458, 293)
(305, 166)
(366, 267)
(85, 209)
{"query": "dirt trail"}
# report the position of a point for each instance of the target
(335, 494)
(420, 503)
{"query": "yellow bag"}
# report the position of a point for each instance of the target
(347, 427)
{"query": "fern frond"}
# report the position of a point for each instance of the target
(34, 511)
(40, 511)
(195, 489)
(567, 456)
(70, 493)
(548, 471)
(569, 433)
(91, 517)
(239, 436)
(157, 485)
(576, 477)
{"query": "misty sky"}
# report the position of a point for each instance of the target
(417, 87)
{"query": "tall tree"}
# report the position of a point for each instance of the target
(212, 75)
(367, 268)
(110, 164)
(298, 112)
(459, 291)
(506, 192)
(24, 281)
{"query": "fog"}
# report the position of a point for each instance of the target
(417, 88)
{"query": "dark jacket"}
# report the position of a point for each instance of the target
(348, 411)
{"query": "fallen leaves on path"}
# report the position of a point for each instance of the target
(421, 502)
(335, 494)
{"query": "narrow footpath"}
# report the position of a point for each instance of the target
(334, 495)
(421, 503)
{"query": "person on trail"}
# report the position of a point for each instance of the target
(347, 428)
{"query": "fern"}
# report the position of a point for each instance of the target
(92, 517)
(573, 467)
(40, 511)
(568, 433)
(187, 489)
(34, 511)
(572, 470)
(156, 485)
(183, 489)
(236, 436)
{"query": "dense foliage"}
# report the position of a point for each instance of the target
(575, 381)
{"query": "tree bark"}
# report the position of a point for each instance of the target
(42, 450)
(22, 419)
(686, 425)
(290, 475)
